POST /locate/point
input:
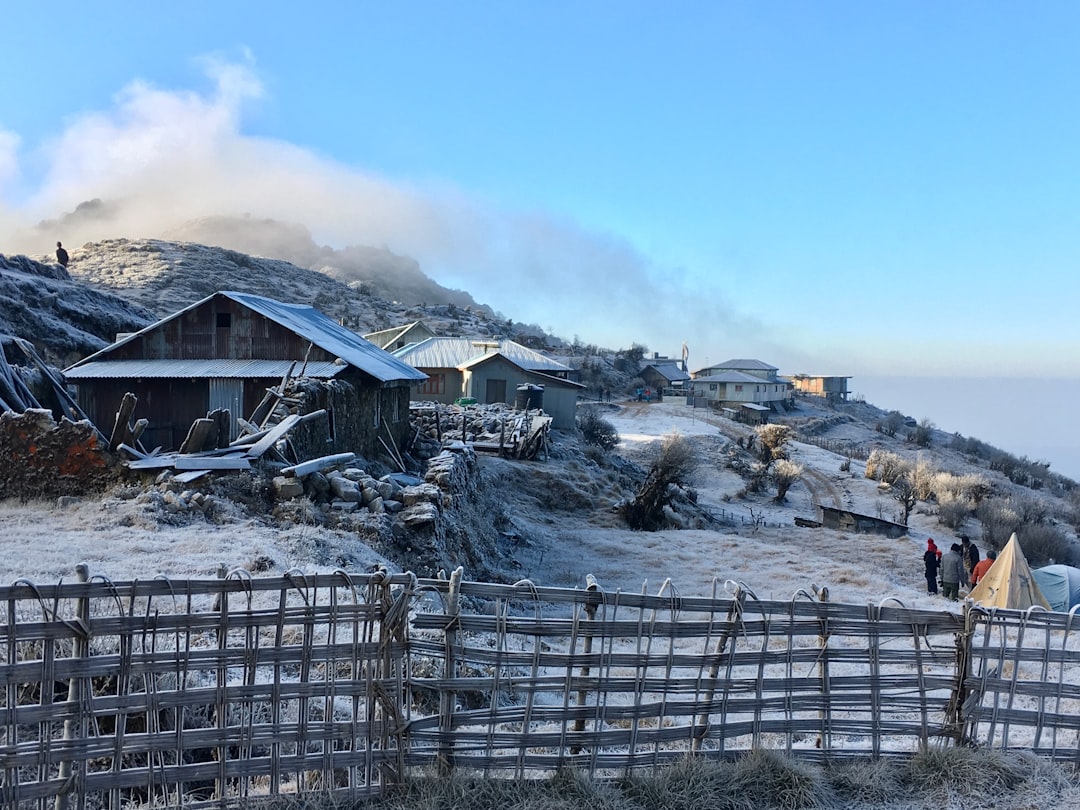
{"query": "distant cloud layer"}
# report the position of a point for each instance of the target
(161, 158)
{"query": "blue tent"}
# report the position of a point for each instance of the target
(1060, 585)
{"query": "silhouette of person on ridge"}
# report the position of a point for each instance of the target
(61, 254)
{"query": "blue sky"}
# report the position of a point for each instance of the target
(833, 187)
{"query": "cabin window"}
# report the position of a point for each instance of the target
(434, 384)
(738, 388)
(224, 320)
(376, 412)
(330, 436)
(712, 386)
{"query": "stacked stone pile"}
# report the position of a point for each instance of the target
(468, 423)
(350, 488)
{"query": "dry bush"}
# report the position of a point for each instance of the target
(885, 466)
(595, 429)
(953, 510)
(924, 477)
(674, 465)
(773, 439)
(1045, 545)
(784, 474)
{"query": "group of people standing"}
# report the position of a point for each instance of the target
(960, 565)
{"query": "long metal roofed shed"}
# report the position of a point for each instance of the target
(490, 370)
(226, 350)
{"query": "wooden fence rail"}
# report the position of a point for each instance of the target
(201, 692)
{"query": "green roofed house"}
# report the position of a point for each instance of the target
(490, 370)
(225, 351)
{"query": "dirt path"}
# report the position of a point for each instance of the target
(821, 487)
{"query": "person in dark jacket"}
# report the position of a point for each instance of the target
(932, 561)
(952, 572)
(971, 558)
(61, 254)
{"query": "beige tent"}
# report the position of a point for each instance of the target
(1009, 583)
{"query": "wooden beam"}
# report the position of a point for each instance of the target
(272, 436)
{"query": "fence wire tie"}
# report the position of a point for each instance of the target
(295, 577)
(341, 572)
(76, 625)
(113, 591)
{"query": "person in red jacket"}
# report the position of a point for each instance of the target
(981, 567)
(931, 559)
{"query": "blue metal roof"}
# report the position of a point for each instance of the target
(303, 320)
(193, 369)
(444, 352)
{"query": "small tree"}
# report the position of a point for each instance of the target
(903, 491)
(784, 474)
(893, 421)
(595, 429)
(773, 439)
(672, 469)
(923, 433)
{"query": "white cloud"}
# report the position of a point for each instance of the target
(160, 158)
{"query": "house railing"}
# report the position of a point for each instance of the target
(205, 691)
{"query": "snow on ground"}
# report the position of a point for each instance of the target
(774, 560)
(119, 539)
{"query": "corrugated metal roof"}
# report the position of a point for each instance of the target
(730, 377)
(441, 352)
(670, 371)
(191, 369)
(309, 323)
(742, 363)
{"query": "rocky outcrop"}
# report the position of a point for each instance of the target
(65, 320)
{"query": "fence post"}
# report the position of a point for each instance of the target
(955, 721)
(825, 714)
(734, 612)
(448, 698)
(591, 586)
(80, 648)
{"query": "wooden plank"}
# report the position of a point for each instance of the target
(122, 432)
(316, 464)
(189, 476)
(272, 436)
(198, 436)
(212, 463)
(153, 462)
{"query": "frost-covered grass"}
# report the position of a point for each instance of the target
(934, 779)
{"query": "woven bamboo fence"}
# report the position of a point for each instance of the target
(203, 692)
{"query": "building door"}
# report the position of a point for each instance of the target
(228, 394)
(496, 391)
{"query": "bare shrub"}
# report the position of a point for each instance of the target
(773, 439)
(1045, 545)
(953, 510)
(672, 469)
(923, 433)
(885, 466)
(902, 490)
(891, 424)
(784, 474)
(923, 478)
(1000, 517)
(595, 429)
